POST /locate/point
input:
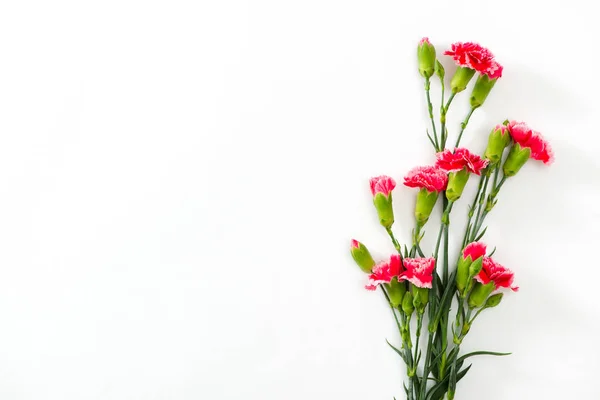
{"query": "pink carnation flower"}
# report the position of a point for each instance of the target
(474, 250)
(475, 56)
(433, 179)
(382, 184)
(424, 40)
(494, 272)
(461, 158)
(355, 244)
(383, 272)
(419, 271)
(527, 137)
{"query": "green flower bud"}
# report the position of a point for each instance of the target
(439, 70)
(480, 293)
(475, 267)
(483, 87)
(361, 255)
(420, 298)
(497, 141)
(425, 202)
(494, 300)
(517, 157)
(396, 291)
(426, 58)
(462, 274)
(461, 79)
(407, 304)
(456, 184)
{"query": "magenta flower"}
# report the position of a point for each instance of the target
(474, 56)
(527, 137)
(474, 250)
(433, 179)
(419, 271)
(382, 184)
(384, 272)
(494, 272)
(460, 159)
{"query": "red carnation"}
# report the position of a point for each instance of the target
(475, 56)
(494, 272)
(461, 159)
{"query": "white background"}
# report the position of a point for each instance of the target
(180, 181)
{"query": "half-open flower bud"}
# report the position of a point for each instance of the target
(362, 256)
(381, 188)
(426, 58)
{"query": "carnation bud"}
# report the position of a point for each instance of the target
(361, 255)
(480, 293)
(425, 202)
(483, 87)
(517, 157)
(420, 298)
(456, 184)
(462, 274)
(426, 58)
(497, 141)
(475, 267)
(461, 79)
(395, 291)
(383, 205)
(494, 300)
(439, 70)
(466, 270)
(407, 304)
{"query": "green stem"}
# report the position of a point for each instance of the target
(446, 222)
(463, 125)
(394, 241)
(426, 366)
(430, 109)
(480, 208)
(444, 133)
(393, 309)
(417, 338)
(472, 211)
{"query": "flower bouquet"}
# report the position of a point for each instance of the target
(425, 285)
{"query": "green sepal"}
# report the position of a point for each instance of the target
(425, 203)
(456, 184)
(383, 205)
(395, 291)
(461, 79)
(479, 294)
(517, 157)
(481, 90)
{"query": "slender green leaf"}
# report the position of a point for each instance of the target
(482, 353)
(481, 234)
(400, 353)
